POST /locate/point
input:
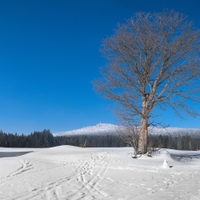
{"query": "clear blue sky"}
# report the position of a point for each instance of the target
(49, 54)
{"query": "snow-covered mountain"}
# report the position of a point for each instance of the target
(98, 129)
(175, 131)
(110, 129)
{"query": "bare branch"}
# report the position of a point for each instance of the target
(154, 60)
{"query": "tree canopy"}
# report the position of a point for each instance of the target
(153, 60)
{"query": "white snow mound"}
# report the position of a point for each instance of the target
(165, 165)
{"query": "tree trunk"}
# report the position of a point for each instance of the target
(143, 136)
(142, 147)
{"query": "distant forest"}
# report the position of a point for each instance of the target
(41, 139)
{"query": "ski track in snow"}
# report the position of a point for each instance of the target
(24, 166)
(90, 174)
(87, 176)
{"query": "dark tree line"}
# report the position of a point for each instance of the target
(179, 142)
(92, 141)
(40, 139)
(37, 139)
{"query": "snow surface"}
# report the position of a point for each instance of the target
(73, 173)
(110, 129)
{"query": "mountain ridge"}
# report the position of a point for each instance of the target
(110, 129)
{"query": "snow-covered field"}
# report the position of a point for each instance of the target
(74, 173)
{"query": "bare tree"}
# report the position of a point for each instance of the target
(130, 135)
(153, 60)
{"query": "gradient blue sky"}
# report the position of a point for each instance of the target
(49, 54)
